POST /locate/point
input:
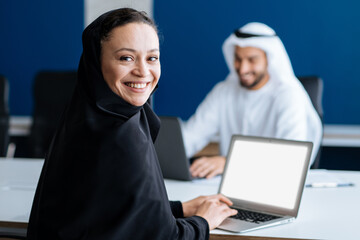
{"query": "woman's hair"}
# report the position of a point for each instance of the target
(123, 16)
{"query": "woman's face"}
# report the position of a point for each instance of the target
(130, 62)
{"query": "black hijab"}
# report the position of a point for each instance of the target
(101, 178)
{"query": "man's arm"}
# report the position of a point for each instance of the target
(204, 124)
(298, 119)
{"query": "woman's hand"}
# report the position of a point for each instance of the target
(214, 209)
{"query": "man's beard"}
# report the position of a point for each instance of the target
(260, 77)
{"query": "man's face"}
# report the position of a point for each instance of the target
(251, 66)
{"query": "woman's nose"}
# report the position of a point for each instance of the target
(142, 68)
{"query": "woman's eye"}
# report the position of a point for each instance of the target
(152, 59)
(125, 58)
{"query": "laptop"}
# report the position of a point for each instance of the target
(170, 150)
(264, 178)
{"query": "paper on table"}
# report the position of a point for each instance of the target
(323, 178)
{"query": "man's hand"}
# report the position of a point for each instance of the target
(207, 166)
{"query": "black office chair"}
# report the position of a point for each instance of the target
(314, 87)
(52, 91)
(4, 116)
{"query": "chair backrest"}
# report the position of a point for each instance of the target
(314, 87)
(52, 91)
(4, 115)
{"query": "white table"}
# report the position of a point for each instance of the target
(18, 180)
(20, 125)
(341, 135)
(325, 213)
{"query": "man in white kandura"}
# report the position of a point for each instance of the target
(260, 97)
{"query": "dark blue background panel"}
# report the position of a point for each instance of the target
(322, 38)
(37, 35)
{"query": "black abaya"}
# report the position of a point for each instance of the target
(101, 178)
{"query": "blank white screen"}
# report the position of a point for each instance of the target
(265, 173)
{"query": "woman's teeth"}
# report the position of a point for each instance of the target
(136, 85)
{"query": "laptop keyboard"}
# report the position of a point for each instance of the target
(253, 217)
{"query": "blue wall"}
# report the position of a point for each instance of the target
(37, 35)
(321, 36)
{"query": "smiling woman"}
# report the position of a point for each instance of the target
(101, 178)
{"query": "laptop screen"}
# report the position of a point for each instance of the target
(265, 171)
